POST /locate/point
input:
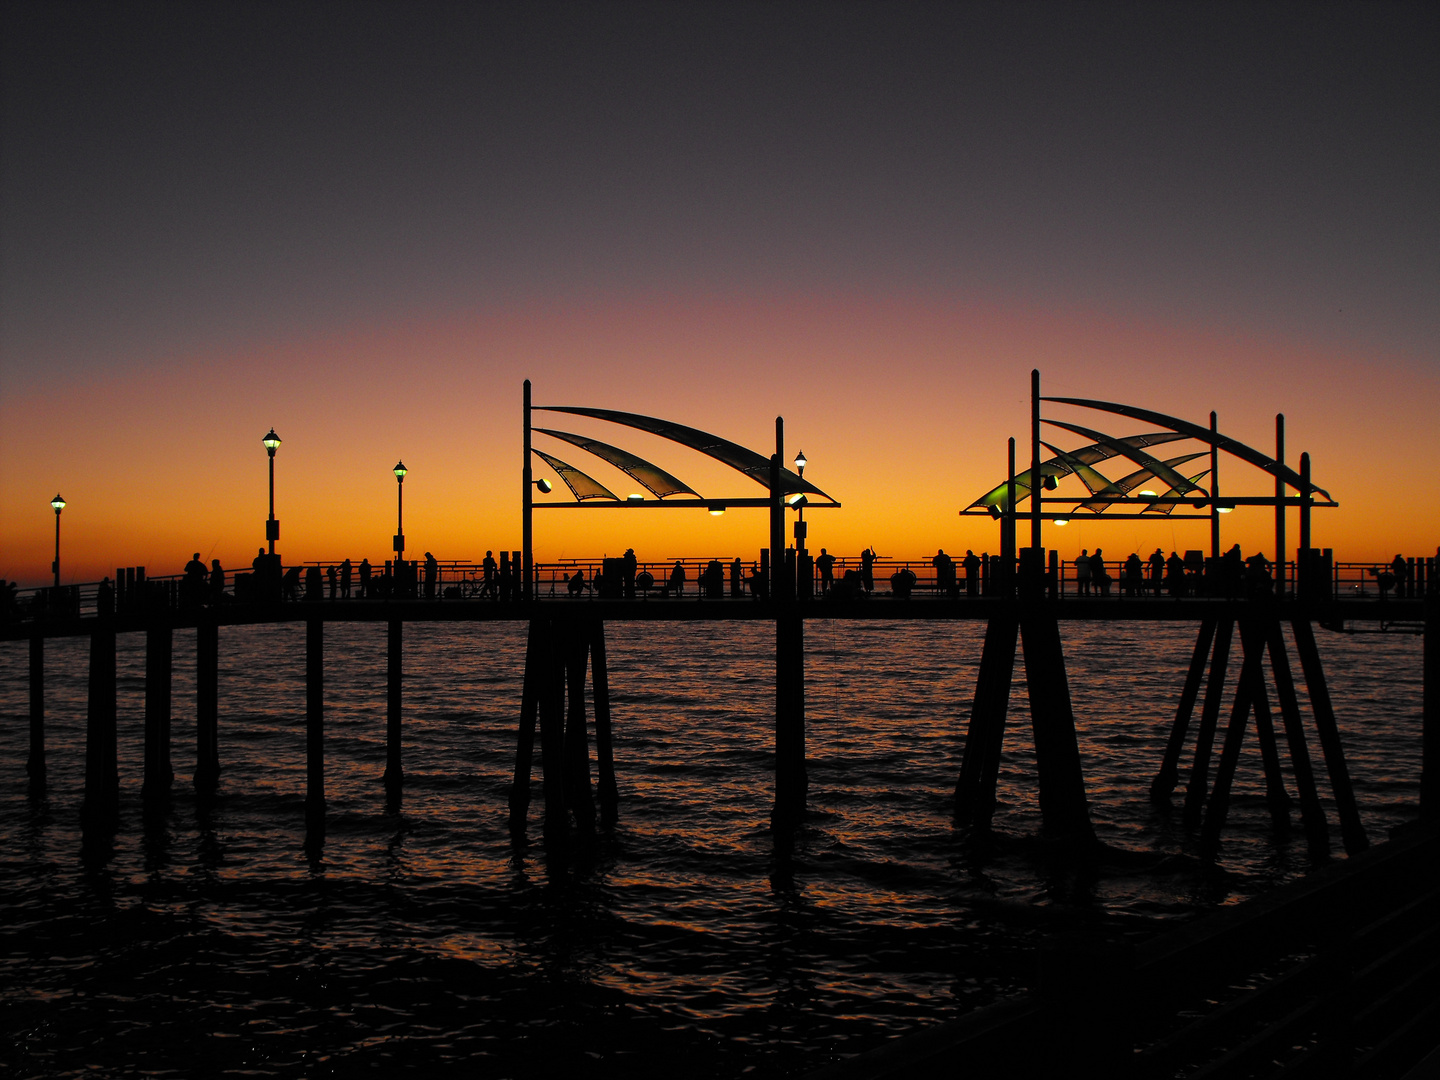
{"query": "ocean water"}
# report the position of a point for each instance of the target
(425, 938)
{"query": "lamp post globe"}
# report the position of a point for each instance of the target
(799, 503)
(58, 502)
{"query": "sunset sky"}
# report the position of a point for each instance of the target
(364, 224)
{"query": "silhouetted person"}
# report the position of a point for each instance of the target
(1175, 575)
(576, 584)
(1258, 582)
(737, 579)
(1134, 579)
(217, 582)
(826, 565)
(627, 586)
(677, 579)
(1233, 569)
(1157, 571)
(1401, 569)
(432, 575)
(365, 579)
(489, 568)
(1097, 573)
(867, 569)
(192, 586)
(944, 572)
(105, 598)
(345, 579)
(759, 582)
(972, 573)
(290, 583)
(1082, 572)
(332, 577)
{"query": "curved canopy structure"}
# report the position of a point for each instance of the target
(583, 485)
(1195, 431)
(653, 478)
(755, 466)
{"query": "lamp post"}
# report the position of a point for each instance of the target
(800, 462)
(272, 527)
(59, 504)
(399, 472)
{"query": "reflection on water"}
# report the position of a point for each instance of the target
(423, 936)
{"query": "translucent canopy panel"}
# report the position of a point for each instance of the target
(655, 479)
(582, 484)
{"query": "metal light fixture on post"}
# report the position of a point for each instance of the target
(399, 472)
(59, 504)
(272, 527)
(800, 462)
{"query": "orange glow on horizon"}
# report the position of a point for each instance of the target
(903, 407)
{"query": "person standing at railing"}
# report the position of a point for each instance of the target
(867, 569)
(217, 582)
(677, 579)
(488, 569)
(1157, 571)
(332, 578)
(737, 579)
(345, 579)
(432, 575)
(631, 564)
(1082, 572)
(365, 579)
(1098, 575)
(826, 565)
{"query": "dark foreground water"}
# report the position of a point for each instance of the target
(683, 942)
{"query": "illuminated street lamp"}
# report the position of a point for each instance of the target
(400, 472)
(59, 504)
(800, 462)
(272, 527)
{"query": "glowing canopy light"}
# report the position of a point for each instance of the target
(716, 509)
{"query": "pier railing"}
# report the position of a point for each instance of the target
(464, 580)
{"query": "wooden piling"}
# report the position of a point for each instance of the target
(1198, 786)
(1351, 831)
(1245, 693)
(1276, 797)
(1064, 809)
(1169, 774)
(604, 751)
(1429, 709)
(394, 771)
(1311, 813)
(577, 744)
(207, 704)
(102, 777)
(550, 693)
(159, 651)
(315, 728)
(35, 765)
(980, 767)
(525, 742)
(791, 781)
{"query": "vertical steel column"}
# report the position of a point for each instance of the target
(980, 767)
(1280, 505)
(1311, 813)
(1351, 831)
(394, 772)
(550, 701)
(1214, 486)
(1198, 786)
(577, 744)
(1064, 808)
(527, 530)
(1311, 587)
(1036, 480)
(35, 766)
(525, 741)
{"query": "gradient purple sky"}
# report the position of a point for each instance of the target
(365, 223)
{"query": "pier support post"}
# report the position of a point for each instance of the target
(1198, 786)
(35, 765)
(314, 730)
(1429, 709)
(1247, 693)
(207, 704)
(1169, 774)
(102, 779)
(394, 771)
(525, 743)
(1063, 805)
(1316, 832)
(550, 699)
(159, 650)
(577, 744)
(980, 767)
(604, 752)
(791, 782)
(1351, 831)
